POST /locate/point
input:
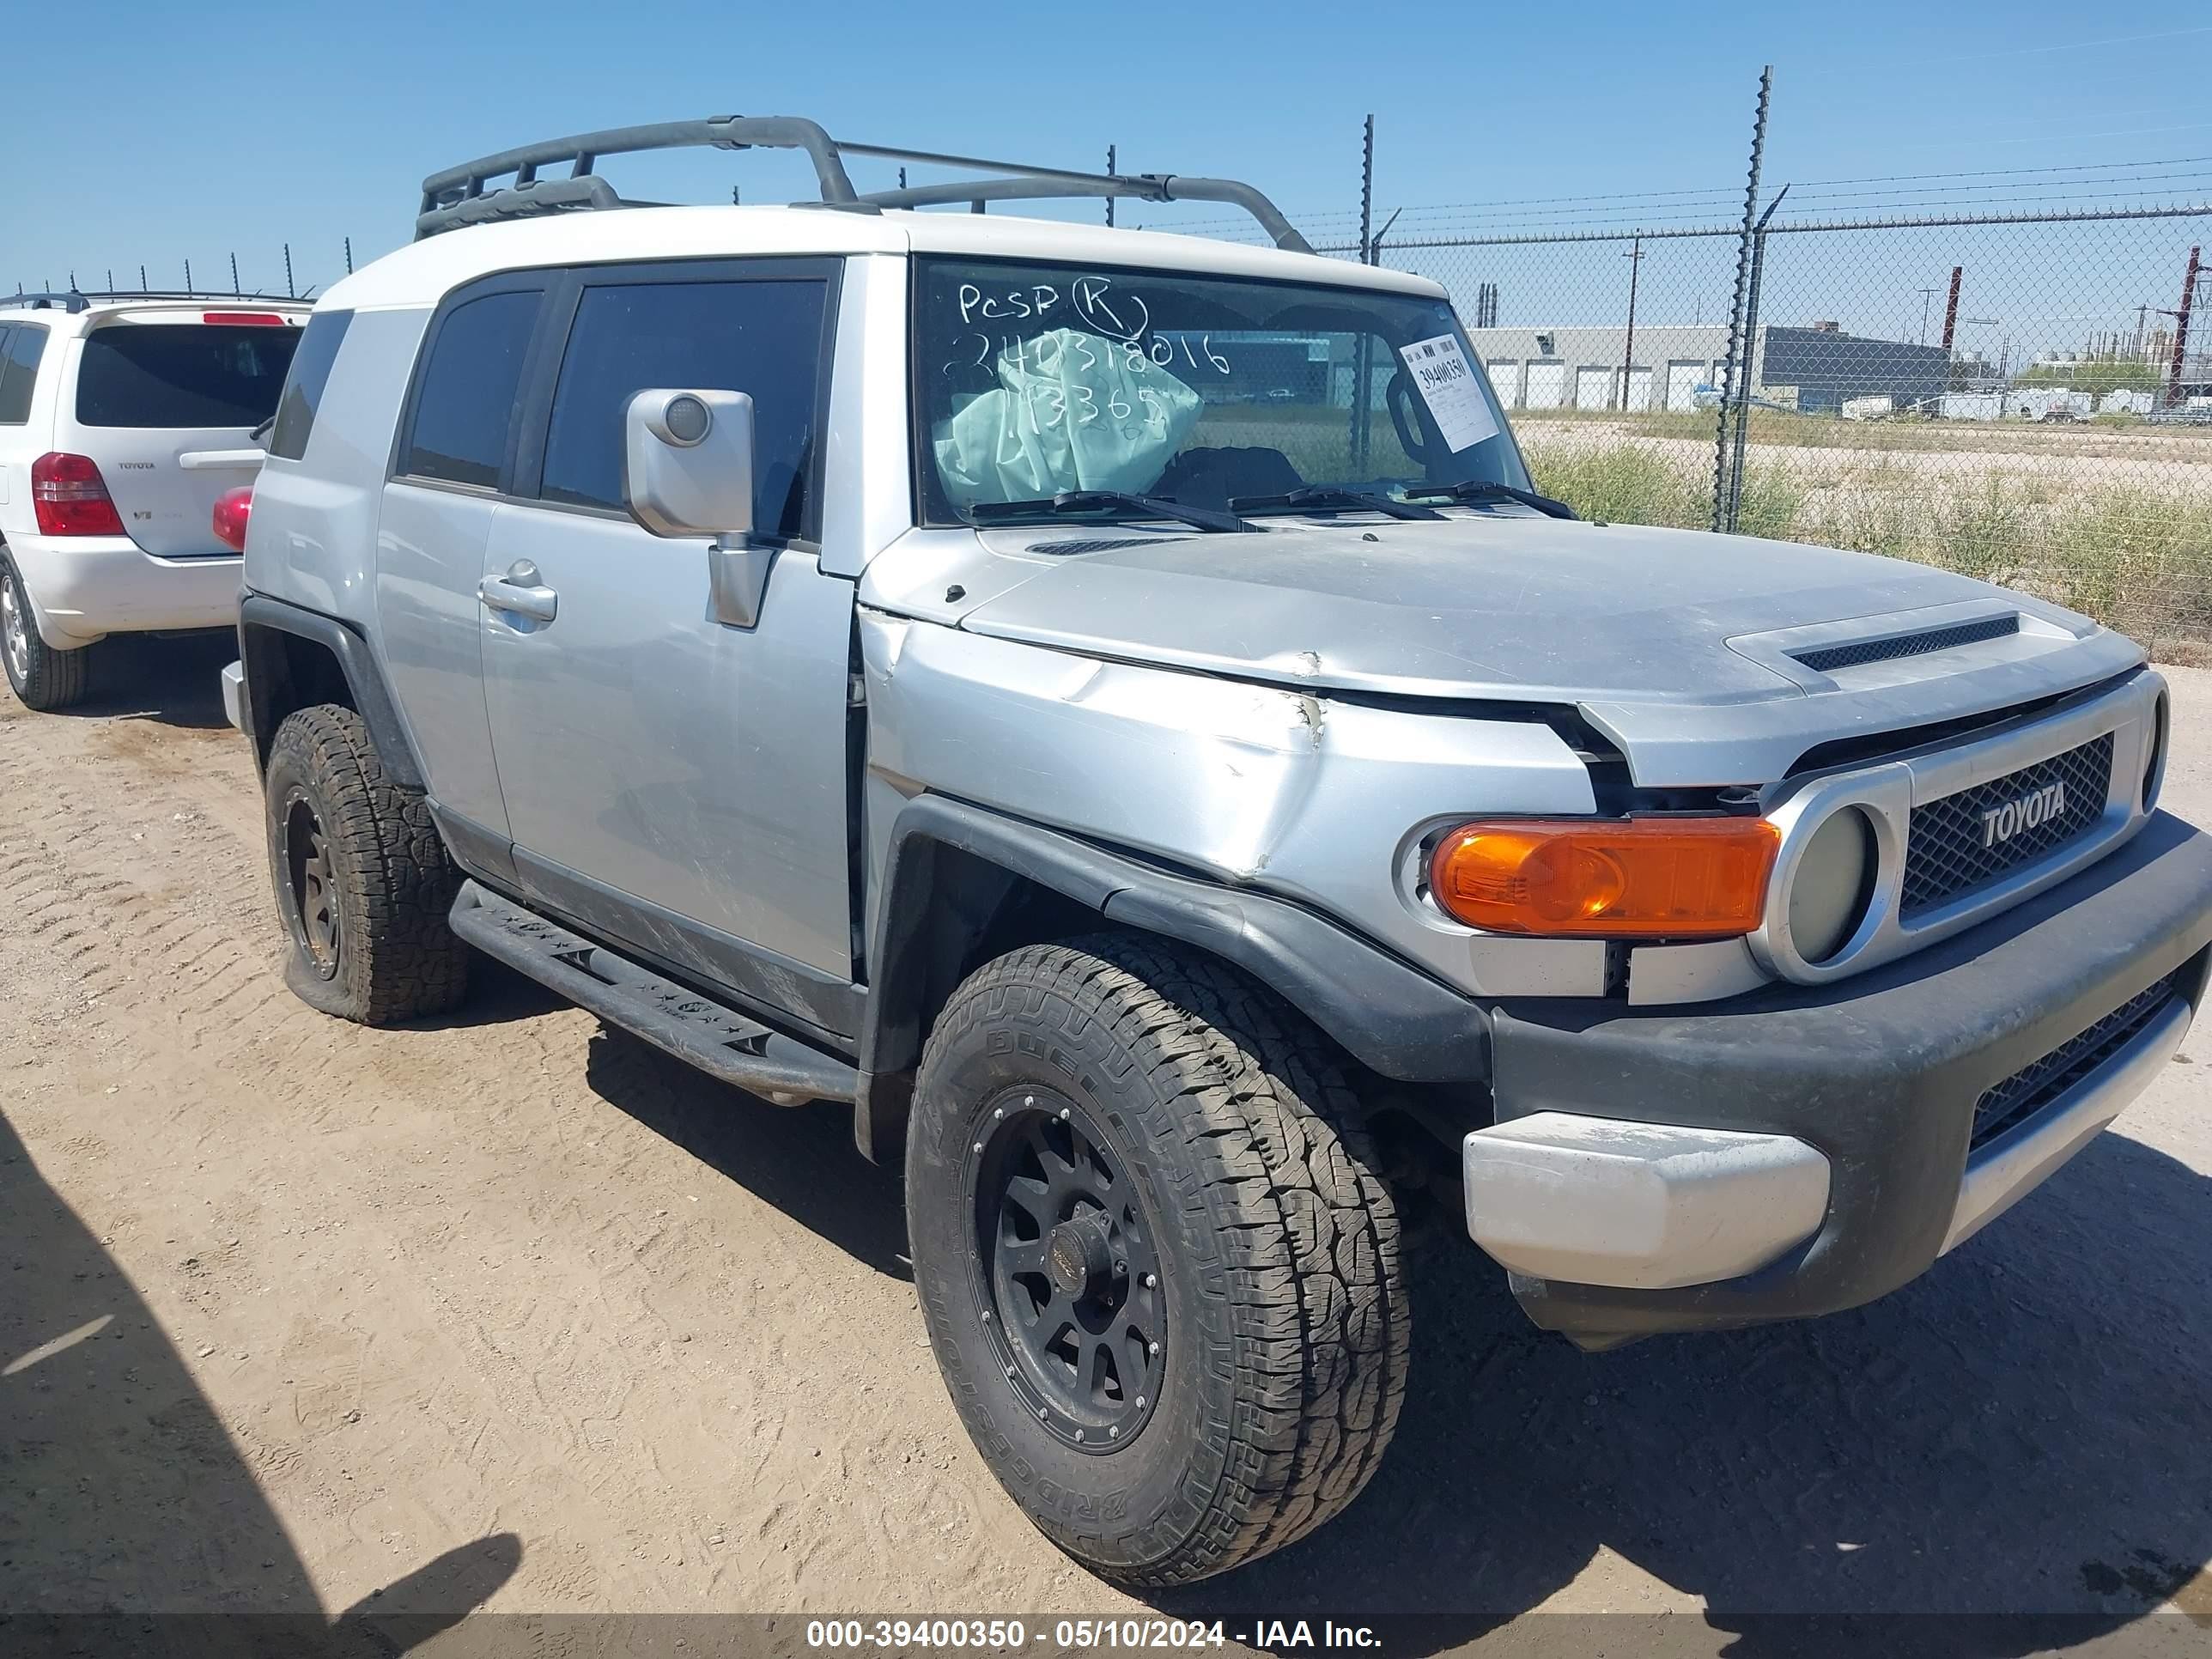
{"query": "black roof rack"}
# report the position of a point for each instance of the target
(82, 298)
(464, 195)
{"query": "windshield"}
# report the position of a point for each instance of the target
(1032, 379)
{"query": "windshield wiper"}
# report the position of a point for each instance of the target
(1103, 501)
(1467, 494)
(1330, 498)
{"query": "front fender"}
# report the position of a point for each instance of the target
(948, 862)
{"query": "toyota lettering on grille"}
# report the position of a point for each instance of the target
(2044, 806)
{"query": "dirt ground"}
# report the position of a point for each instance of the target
(507, 1310)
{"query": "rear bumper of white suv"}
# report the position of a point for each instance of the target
(84, 587)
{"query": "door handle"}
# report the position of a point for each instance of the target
(521, 592)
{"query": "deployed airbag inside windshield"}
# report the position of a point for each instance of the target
(1068, 413)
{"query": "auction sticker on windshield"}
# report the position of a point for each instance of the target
(1448, 386)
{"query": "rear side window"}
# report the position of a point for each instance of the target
(182, 374)
(20, 347)
(465, 407)
(303, 389)
(760, 337)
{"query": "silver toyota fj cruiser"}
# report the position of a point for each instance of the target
(1111, 708)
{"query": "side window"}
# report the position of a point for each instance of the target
(762, 337)
(465, 406)
(303, 386)
(20, 347)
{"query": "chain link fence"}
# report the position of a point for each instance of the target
(2023, 397)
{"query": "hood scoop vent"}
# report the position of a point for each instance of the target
(1827, 658)
(1106, 544)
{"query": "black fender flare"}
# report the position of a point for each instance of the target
(945, 855)
(260, 617)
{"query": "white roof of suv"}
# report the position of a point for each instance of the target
(421, 273)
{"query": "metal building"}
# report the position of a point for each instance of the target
(1814, 369)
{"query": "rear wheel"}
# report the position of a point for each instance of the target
(1160, 1269)
(42, 677)
(364, 882)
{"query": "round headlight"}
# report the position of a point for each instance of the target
(1833, 885)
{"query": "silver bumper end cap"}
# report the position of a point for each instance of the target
(1597, 1200)
(234, 695)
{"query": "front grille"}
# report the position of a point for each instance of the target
(1952, 850)
(2031, 1088)
(1829, 657)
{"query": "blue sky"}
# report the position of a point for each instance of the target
(169, 132)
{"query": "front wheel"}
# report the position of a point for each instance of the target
(1160, 1269)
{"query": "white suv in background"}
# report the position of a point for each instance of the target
(123, 420)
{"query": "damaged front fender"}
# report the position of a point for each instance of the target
(1319, 800)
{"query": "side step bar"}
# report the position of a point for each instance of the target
(718, 1039)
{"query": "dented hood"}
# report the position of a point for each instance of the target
(1665, 639)
(1481, 606)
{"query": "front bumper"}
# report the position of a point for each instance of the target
(83, 588)
(1807, 1149)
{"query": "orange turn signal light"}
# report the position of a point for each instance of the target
(1658, 877)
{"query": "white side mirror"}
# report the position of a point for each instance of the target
(688, 470)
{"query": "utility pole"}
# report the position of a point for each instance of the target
(1926, 294)
(1635, 257)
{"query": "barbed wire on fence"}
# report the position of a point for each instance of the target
(148, 282)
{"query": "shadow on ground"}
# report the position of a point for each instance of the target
(177, 681)
(800, 1159)
(2024, 1433)
(129, 1521)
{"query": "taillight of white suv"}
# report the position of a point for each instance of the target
(71, 498)
(232, 509)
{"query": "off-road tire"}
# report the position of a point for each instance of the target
(386, 883)
(1284, 1319)
(42, 678)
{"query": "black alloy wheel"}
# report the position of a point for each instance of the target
(313, 911)
(1066, 1270)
